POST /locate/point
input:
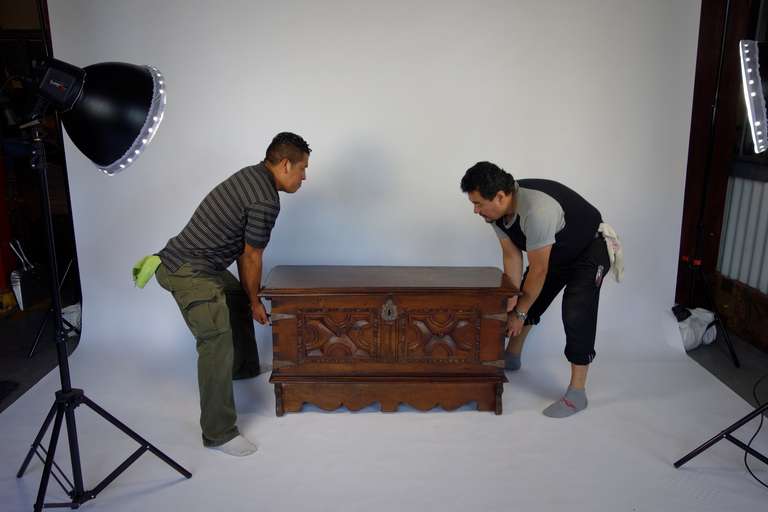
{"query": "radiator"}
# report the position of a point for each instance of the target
(743, 244)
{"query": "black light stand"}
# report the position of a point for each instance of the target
(726, 434)
(111, 111)
(694, 264)
(751, 60)
(68, 398)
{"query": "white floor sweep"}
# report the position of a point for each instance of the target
(615, 456)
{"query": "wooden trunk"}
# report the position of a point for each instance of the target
(354, 336)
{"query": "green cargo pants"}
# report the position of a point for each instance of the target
(217, 311)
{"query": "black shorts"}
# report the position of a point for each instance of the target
(582, 280)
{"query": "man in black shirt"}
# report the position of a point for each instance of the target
(558, 230)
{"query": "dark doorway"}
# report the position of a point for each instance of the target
(27, 344)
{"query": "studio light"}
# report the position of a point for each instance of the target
(753, 57)
(111, 111)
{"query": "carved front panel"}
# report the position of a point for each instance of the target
(441, 336)
(337, 335)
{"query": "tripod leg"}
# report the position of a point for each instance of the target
(728, 342)
(49, 457)
(719, 320)
(725, 434)
(74, 450)
(37, 440)
(756, 454)
(136, 437)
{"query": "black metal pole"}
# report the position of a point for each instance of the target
(68, 399)
(695, 268)
(696, 260)
(40, 164)
(49, 458)
(726, 434)
(37, 441)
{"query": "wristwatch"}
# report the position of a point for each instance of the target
(519, 314)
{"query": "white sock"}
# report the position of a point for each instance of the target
(237, 447)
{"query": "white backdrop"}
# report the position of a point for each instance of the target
(397, 99)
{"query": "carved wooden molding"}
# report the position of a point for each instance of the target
(390, 395)
(342, 335)
(337, 335)
(454, 332)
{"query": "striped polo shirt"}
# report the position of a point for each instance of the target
(241, 209)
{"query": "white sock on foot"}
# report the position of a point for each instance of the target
(237, 447)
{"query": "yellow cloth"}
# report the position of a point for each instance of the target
(144, 269)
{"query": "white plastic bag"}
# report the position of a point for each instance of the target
(698, 328)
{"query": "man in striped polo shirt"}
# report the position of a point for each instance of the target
(558, 229)
(232, 223)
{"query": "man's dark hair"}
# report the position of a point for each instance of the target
(488, 179)
(287, 145)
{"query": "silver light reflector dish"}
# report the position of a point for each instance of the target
(754, 99)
